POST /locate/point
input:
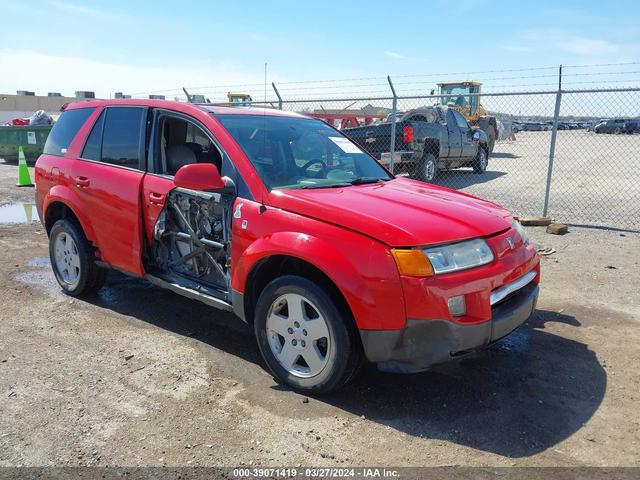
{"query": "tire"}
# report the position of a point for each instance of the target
(314, 352)
(426, 168)
(617, 131)
(481, 161)
(491, 134)
(73, 261)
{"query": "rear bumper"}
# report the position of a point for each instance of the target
(402, 156)
(428, 342)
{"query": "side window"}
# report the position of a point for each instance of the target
(65, 129)
(181, 142)
(197, 136)
(462, 123)
(121, 137)
(93, 146)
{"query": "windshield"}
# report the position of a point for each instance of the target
(458, 96)
(301, 153)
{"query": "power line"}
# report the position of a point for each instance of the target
(601, 65)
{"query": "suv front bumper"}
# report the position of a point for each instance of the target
(424, 343)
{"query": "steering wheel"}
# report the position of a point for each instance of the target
(314, 162)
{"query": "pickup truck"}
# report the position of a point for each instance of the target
(284, 221)
(427, 140)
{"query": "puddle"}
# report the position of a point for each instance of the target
(40, 262)
(44, 280)
(19, 213)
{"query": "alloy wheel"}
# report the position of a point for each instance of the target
(67, 259)
(298, 335)
(483, 160)
(429, 170)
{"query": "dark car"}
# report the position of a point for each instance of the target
(616, 125)
(427, 140)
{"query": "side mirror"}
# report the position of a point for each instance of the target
(476, 136)
(199, 176)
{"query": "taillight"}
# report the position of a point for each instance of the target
(407, 134)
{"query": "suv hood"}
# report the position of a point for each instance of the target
(400, 212)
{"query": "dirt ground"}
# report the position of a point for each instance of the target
(138, 376)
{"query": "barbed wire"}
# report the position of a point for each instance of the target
(297, 88)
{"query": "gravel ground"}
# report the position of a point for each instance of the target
(595, 177)
(138, 376)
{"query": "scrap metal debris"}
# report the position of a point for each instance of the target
(544, 251)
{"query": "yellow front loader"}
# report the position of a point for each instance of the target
(465, 98)
(239, 98)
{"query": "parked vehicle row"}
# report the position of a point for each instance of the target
(615, 125)
(286, 222)
(531, 127)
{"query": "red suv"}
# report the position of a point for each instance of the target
(286, 222)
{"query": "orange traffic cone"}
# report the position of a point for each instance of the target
(24, 179)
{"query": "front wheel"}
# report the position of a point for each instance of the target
(426, 168)
(481, 162)
(306, 340)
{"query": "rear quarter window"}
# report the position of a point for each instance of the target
(65, 129)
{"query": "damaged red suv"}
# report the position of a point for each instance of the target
(286, 222)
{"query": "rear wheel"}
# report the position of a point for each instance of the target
(426, 168)
(492, 139)
(72, 259)
(306, 340)
(481, 161)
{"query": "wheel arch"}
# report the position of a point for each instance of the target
(61, 202)
(344, 266)
(271, 267)
(432, 146)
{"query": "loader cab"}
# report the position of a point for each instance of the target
(239, 99)
(460, 95)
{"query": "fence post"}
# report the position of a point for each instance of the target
(552, 147)
(273, 84)
(394, 109)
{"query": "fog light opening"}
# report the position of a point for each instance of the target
(457, 306)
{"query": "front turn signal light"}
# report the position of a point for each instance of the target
(411, 262)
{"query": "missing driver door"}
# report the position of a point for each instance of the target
(188, 231)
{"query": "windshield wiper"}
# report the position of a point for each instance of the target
(364, 180)
(333, 185)
(355, 181)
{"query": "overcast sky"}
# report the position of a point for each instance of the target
(145, 46)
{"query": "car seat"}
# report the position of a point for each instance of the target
(179, 156)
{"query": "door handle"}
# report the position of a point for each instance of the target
(156, 198)
(82, 181)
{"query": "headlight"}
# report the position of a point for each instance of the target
(517, 226)
(459, 256)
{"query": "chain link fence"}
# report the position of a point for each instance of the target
(571, 155)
